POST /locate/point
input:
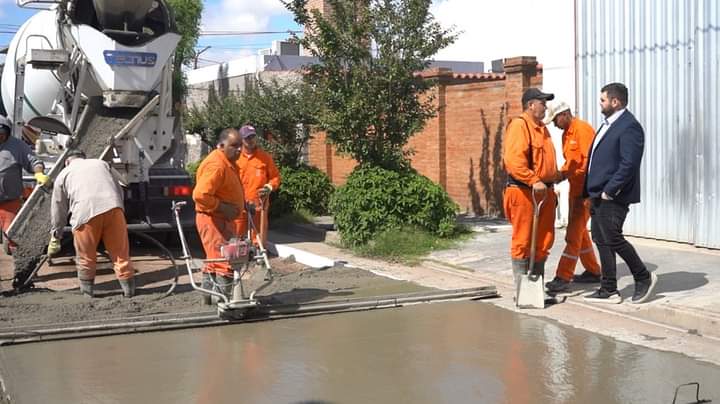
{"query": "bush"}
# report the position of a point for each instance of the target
(192, 168)
(303, 188)
(375, 200)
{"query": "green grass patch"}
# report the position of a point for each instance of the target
(408, 245)
(300, 216)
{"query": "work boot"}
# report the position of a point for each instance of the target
(519, 268)
(224, 285)
(86, 288)
(539, 269)
(208, 281)
(128, 287)
(558, 285)
(586, 277)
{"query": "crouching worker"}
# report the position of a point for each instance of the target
(89, 190)
(260, 176)
(219, 200)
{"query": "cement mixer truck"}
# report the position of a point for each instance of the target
(96, 75)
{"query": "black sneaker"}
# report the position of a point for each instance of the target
(603, 296)
(644, 289)
(558, 285)
(586, 277)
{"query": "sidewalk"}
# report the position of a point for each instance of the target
(683, 315)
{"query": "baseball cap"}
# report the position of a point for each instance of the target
(5, 124)
(554, 110)
(247, 131)
(535, 94)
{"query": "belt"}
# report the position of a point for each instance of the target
(512, 182)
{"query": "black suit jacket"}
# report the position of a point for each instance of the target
(615, 167)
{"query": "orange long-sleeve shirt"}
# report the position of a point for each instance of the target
(516, 149)
(577, 140)
(217, 180)
(256, 170)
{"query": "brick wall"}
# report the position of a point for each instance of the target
(461, 148)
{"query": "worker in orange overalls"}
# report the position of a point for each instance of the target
(219, 200)
(577, 139)
(260, 176)
(529, 157)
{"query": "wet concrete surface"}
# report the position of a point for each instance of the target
(433, 353)
(56, 299)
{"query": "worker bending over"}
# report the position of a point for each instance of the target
(260, 176)
(89, 190)
(219, 201)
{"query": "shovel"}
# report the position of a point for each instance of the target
(531, 288)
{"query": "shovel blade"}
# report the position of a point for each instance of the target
(531, 292)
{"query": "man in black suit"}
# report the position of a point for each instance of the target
(612, 184)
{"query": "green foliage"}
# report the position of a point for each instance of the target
(375, 199)
(371, 101)
(216, 114)
(303, 188)
(295, 217)
(406, 244)
(192, 168)
(187, 15)
(282, 112)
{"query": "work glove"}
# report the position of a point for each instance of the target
(265, 190)
(41, 178)
(53, 246)
(228, 210)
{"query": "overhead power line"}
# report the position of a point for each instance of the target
(240, 33)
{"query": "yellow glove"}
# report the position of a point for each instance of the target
(41, 178)
(53, 247)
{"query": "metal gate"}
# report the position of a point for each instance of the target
(667, 52)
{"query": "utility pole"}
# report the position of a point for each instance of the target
(197, 55)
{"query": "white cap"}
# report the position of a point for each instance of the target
(554, 110)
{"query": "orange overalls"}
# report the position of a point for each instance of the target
(217, 180)
(522, 137)
(256, 170)
(577, 140)
(8, 210)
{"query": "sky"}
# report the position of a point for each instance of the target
(489, 29)
(479, 21)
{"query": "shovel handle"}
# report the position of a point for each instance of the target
(537, 205)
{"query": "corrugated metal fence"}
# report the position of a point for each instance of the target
(667, 52)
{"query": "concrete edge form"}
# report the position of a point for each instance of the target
(301, 256)
(21, 335)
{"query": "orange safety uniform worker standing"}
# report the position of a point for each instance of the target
(260, 176)
(529, 157)
(89, 190)
(219, 200)
(577, 139)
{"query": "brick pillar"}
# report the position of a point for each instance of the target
(518, 73)
(444, 76)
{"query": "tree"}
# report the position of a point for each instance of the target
(370, 51)
(282, 112)
(187, 15)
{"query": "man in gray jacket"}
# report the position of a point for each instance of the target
(89, 189)
(15, 155)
